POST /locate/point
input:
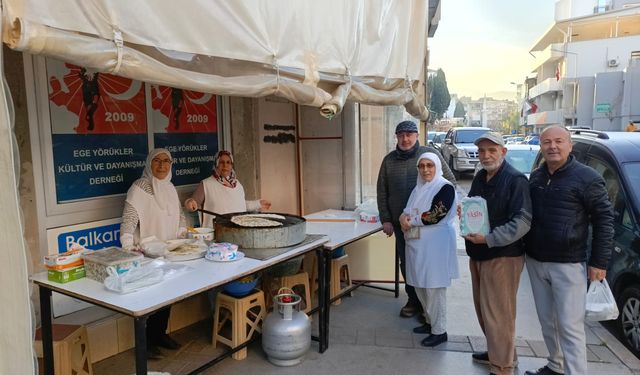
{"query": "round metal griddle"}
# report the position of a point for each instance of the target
(292, 232)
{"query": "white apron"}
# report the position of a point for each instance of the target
(153, 220)
(223, 200)
(431, 259)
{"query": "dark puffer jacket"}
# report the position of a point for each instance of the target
(564, 204)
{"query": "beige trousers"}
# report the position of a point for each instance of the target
(495, 285)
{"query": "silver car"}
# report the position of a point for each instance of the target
(458, 149)
(521, 157)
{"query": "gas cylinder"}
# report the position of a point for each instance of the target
(286, 331)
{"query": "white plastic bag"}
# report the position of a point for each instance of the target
(368, 211)
(143, 276)
(600, 302)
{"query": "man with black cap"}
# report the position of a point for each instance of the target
(396, 179)
(497, 259)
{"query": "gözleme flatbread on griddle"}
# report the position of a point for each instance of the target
(257, 220)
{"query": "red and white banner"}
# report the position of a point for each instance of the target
(89, 102)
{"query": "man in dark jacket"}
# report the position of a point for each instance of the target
(567, 196)
(396, 179)
(497, 259)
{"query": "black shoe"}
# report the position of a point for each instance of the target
(409, 310)
(153, 352)
(434, 340)
(425, 328)
(165, 341)
(542, 371)
(481, 357)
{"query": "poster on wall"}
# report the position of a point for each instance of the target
(185, 122)
(98, 131)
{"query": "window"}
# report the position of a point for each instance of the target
(631, 171)
(377, 139)
(469, 136)
(610, 178)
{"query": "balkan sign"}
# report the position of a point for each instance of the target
(92, 238)
(185, 123)
(98, 131)
(94, 235)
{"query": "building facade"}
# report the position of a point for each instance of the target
(587, 67)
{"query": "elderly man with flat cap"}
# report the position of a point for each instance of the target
(396, 179)
(497, 259)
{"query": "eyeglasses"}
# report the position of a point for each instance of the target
(161, 161)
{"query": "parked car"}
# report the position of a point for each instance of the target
(533, 139)
(431, 136)
(438, 141)
(521, 157)
(458, 148)
(616, 156)
(515, 140)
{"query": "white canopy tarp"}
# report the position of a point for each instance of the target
(318, 53)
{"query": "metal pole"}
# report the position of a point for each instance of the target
(47, 330)
(575, 89)
(140, 329)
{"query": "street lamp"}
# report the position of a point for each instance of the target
(518, 90)
(518, 101)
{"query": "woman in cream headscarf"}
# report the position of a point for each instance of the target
(222, 192)
(152, 208)
(428, 224)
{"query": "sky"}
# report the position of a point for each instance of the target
(483, 45)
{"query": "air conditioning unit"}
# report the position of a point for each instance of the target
(612, 63)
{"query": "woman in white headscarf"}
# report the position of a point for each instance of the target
(428, 224)
(222, 192)
(152, 208)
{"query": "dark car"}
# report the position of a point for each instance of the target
(432, 135)
(437, 141)
(616, 156)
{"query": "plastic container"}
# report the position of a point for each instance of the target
(338, 253)
(96, 262)
(201, 234)
(242, 287)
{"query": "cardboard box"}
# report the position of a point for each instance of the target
(103, 338)
(66, 275)
(189, 311)
(126, 333)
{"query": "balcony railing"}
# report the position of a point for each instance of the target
(546, 118)
(601, 8)
(548, 85)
